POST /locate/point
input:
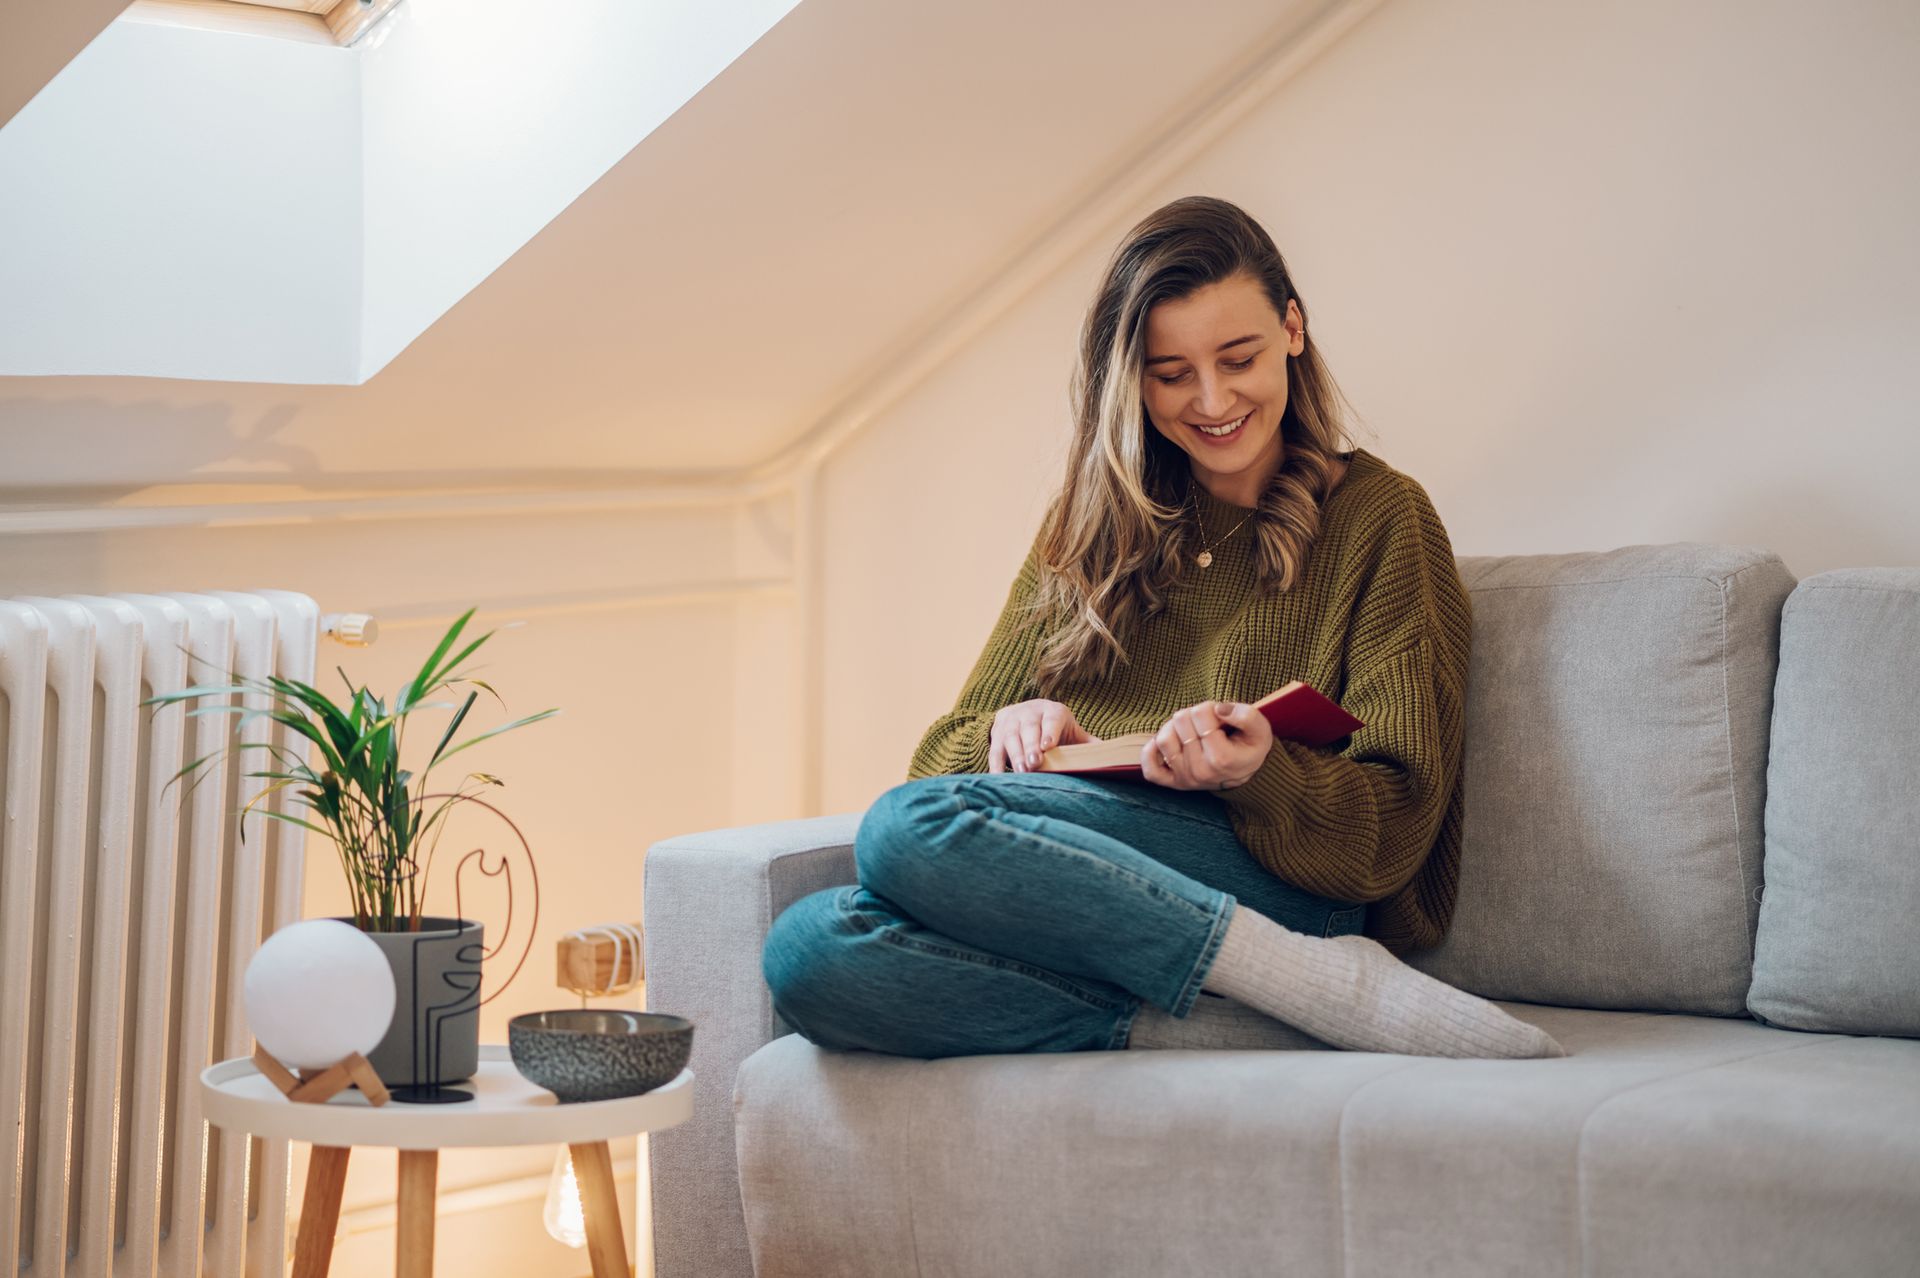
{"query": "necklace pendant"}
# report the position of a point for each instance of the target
(1206, 558)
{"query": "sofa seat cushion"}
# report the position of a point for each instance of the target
(1664, 1143)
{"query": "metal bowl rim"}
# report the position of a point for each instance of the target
(665, 1023)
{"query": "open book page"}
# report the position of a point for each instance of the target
(1296, 712)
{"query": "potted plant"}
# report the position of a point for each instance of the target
(375, 813)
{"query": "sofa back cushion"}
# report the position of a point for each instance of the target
(1838, 947)
(1618, 705)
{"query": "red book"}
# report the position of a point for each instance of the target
(1297, 712)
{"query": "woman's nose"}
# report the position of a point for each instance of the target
(1213, 398)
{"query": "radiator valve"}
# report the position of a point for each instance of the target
(355, 629)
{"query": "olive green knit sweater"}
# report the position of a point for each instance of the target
(1380, 622)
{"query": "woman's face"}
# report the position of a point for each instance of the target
(1219, 359)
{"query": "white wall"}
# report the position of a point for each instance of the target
(1595, 275)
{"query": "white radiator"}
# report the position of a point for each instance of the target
(127, 916)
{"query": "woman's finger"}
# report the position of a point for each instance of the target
(1173, 754)
(1153, 763)
(1211, 736)
(1053, 726)
(1195, 764)
(1029, 741)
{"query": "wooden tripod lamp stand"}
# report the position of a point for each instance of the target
(318, 1086)
(319, 997)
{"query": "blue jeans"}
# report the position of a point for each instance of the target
(1023, 912)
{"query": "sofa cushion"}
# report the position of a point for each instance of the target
(1838, 948)
(1663, 1144)
(1616, 748)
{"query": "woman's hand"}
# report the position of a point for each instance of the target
(1024, 731)
(1215, 745)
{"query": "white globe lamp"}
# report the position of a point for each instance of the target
(318, 991)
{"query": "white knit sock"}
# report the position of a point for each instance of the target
(1352, 992)
(1217, 1022)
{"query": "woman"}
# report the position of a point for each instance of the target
(1210, 542)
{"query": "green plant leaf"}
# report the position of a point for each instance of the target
(305, 825)
(482, 683)
(183, 694)
(379, 727)
(419, 684)
(465, 652)
(195, 713)
(452, 727)
(273, 789)
(473, 741)
(190, 767)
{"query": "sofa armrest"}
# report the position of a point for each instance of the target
(708, 901)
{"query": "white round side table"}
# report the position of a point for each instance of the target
(506, 1109)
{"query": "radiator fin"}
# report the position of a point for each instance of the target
(128, 910)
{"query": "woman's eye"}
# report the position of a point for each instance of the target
(1240, 367)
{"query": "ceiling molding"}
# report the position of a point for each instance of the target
(1113, 197)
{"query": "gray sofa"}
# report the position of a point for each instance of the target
(1654, 735)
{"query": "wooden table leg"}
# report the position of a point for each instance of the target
(600, 1205)
(320, 1210)
(413, 1242)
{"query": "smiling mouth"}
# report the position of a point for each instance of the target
(1223, 432)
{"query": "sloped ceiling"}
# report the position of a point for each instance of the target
(259, 204)
(833, 193)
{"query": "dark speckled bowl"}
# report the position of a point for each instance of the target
(585, 1054)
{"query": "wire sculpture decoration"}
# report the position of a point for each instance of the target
(463, 982)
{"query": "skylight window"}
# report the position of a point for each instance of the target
(345, 20)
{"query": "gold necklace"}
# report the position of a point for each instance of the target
(1205, 557)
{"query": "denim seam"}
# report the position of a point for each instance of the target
(1145, 884)
(1123, 1029)
(893, 936)
(1121, 796)
(1191, 991)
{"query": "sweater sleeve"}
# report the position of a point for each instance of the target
(1359, 824)
(957, 741)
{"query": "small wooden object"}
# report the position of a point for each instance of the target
(597, 961)
(317, 1086)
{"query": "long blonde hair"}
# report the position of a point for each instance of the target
(1114, 539)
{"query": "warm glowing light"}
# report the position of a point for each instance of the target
(563, 1216)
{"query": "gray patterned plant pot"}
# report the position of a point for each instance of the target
(435, 1035)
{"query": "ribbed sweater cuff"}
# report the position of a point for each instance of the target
(1271, 790)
